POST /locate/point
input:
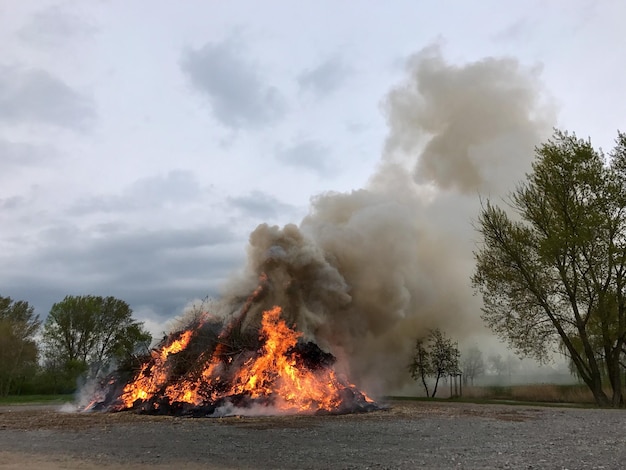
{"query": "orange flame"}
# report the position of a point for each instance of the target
(274, 375)
(275, 372)
(150, 379)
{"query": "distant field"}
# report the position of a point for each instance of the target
(535, 393)
(17, 399)
(546, 393)
(572, 394)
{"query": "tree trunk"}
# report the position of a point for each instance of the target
(587, 365)
(595, 385)
(615, 377)
(436, 383)
(5, 386)
(425, 384)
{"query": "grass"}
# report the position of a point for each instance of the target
(34, 399)
(546, 393)
(536, 394)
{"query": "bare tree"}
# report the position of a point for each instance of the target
(472, 364)
(496, 364)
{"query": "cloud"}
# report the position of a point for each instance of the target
(325, 78)
(176, 187)
(160, 269)
(309, 154)
(56, 25)
(12, 203)
(515, 32)
(17, 154)
(35, 96)
(235, 89)
(260, 205)
(139, 246)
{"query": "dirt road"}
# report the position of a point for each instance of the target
(409, 435)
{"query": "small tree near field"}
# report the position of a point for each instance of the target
(472, 365)
(435, 355)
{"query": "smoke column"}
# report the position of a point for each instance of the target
(366, 272)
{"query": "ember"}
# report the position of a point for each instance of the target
(212, 369)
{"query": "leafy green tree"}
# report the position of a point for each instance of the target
(434, 356)
(93, 331)
(59, 377)
(553, 269)
(18, 349)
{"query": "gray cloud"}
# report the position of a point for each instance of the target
(517, 31)
(309, 154)
(12, 203)
(260, 205)
(54, 26)
(33, 95)
(325, 78)
(17, 154)
(135, 255)
(160, 269)
(176, 187)
(235, 89)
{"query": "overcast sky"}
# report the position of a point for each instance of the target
(141, 142)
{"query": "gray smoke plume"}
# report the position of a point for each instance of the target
(366, 272)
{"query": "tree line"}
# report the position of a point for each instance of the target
(81, 336)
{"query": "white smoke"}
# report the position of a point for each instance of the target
(368, 271)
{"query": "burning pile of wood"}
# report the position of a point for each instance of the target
(217, 369)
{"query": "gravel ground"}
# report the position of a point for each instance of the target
(409, 435)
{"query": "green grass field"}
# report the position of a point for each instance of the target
(33, 399)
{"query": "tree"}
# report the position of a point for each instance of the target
(503, 366)
(92, 331)
(554, 271)
(435, 355)
(18, 349)
(472, 365)
(420, 367)
(496, 364)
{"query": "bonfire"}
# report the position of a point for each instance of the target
(218, 368)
